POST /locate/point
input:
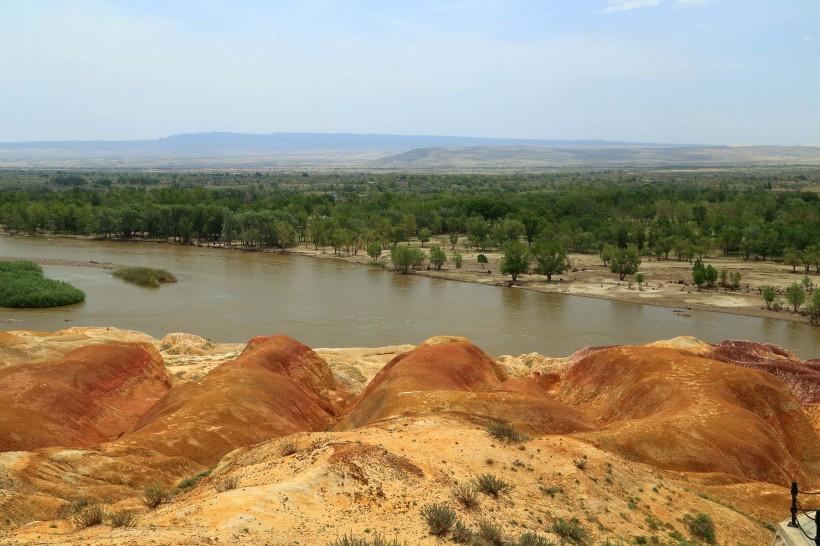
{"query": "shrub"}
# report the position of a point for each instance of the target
(701, 526)
(551, 490)
(22, 285)
(377, 540)
(506, 433)
(490, 533)
(465, 494)
(289, 447)
(571, 531)
(491, 484)
(190, 481)
(145, 276)
(532, 539)
(90, 515)
(461, 534)
(154, 495)
(125, 519)
(440, 518)
(226, 483)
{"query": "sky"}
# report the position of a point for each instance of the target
(673, 71)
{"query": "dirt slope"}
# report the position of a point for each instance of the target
(456, 377)
(92, 395)
(678, 411)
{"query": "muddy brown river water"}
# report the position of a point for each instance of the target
(232, 296)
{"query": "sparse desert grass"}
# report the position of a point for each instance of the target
(701, 525)
(226, 483)
(440, 518)
(465, 493)
(490, 533)
(461, 534)
(190, 482)
(491, 484)
(123, 519)
(289, 447)
(571, 531)
(23, 285)
(154, 495)
(145, 276)
(377, 540)
(506, 433)
(532, 539)
(88, 516)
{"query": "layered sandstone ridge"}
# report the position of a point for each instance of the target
(327, 442)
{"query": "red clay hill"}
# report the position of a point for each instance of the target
(92, 395)
(105, 419)
(453, 376)
(675, 410)
(276, 387)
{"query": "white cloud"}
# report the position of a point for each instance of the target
(627, 5)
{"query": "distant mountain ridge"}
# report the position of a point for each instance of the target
(313, 141)
(378, 152)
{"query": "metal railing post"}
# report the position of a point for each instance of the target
(793, 522)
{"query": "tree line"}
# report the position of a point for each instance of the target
(656, 215)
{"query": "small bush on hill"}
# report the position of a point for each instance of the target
(154, 495)
(506, 433)
(465, 493)
(377, 540)
(88, 516)
(701, 525)
(226, 483)
(190, 481)
(570, 531)
(490, 533)
(491, 484)
(440, 518)
(124, 519)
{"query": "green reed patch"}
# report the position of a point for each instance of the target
(23, 285)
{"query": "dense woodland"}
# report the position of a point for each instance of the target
(671, 214)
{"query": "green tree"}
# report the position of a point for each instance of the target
(551, 259)
(724, 276)
(458, 259)
(437, 257)
(374, 250)
(482, 259)
(699, 276)
(795, 295)
(734, 278)
(639, 278)
(807, 284)
(711, 275)
(791, 258)
(453, 240)
(516, 260)
(625, 261)
(769, 296)
(401, 257)
(424, 236)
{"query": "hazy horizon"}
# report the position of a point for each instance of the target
(720, 72)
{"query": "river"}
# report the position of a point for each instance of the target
(231, 296)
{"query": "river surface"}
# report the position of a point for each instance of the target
(231, 296)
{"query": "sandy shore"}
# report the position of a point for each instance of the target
(668, 283)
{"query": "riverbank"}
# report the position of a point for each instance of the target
(668, 283)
